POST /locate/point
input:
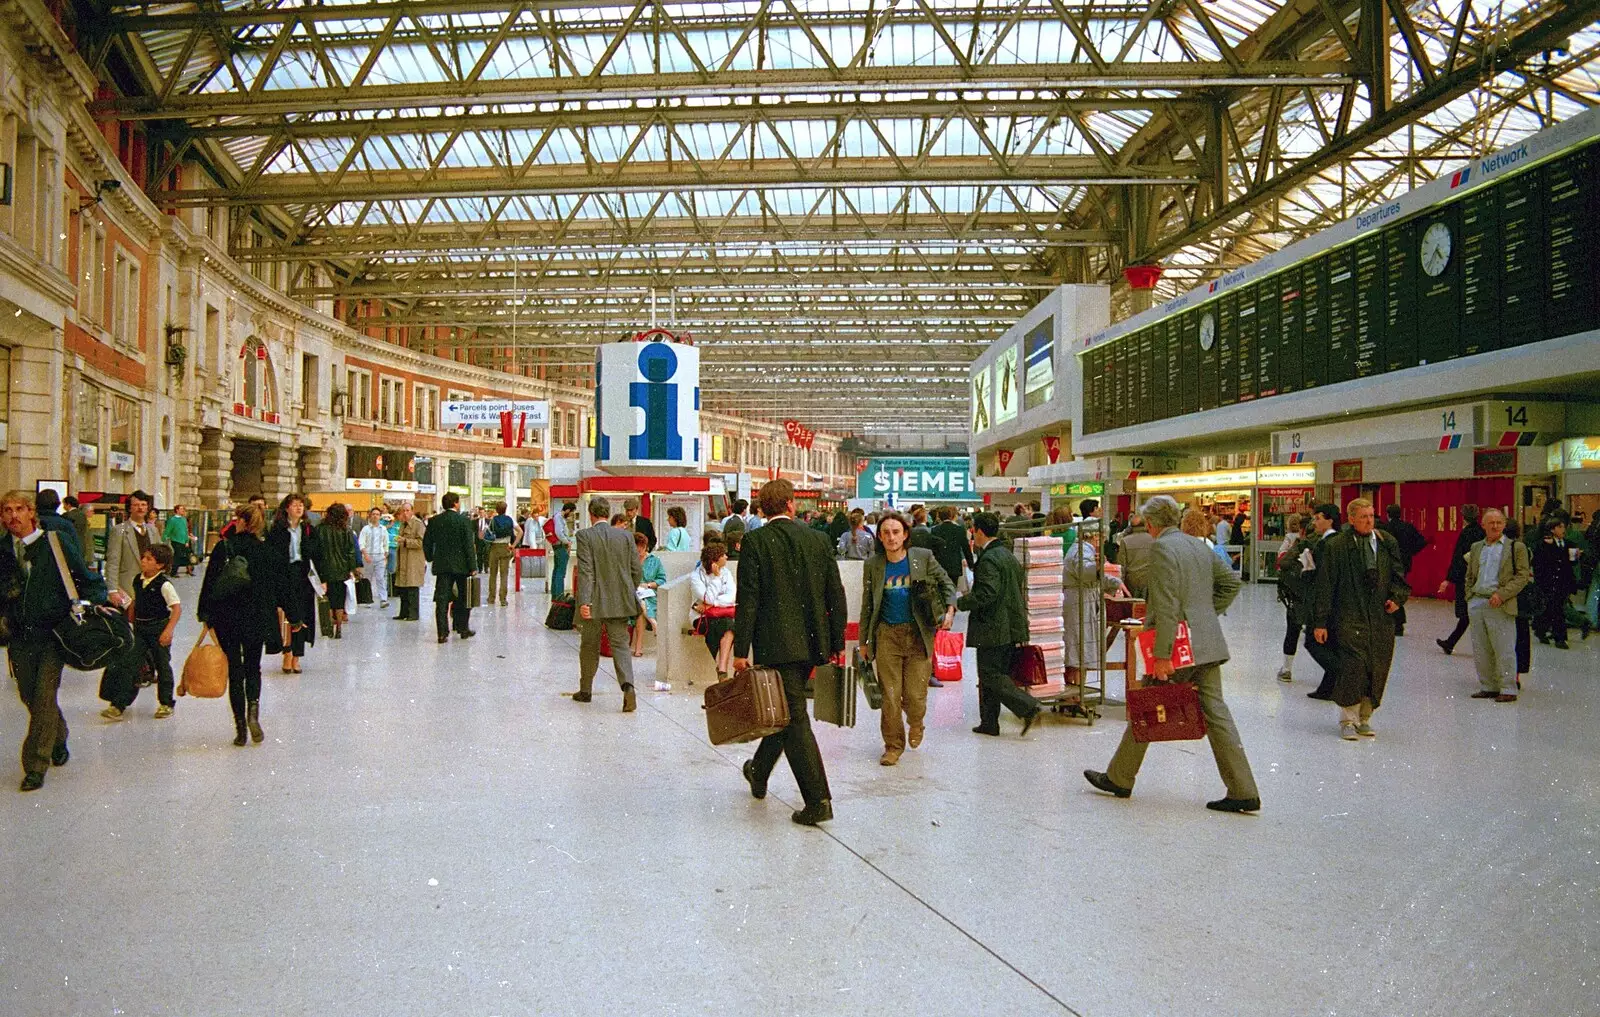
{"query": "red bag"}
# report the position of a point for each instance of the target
(1027, 667)
(1182, 649)
(1166, 712)
(550, 532)
(947, 650)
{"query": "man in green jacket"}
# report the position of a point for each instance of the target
(999, 622)
(450, 543)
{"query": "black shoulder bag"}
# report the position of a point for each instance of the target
(92, 636)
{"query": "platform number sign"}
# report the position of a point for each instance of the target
(1449, 431)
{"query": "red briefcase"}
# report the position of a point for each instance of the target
(1166, 712)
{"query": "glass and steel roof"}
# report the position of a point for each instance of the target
(816, 190)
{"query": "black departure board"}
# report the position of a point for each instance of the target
(1480, 278)
(1509, 262)
(1189, 341)
(1228, 349)
(1267, 301)
(1438, 317)
(1158, 380)
(1289, 304)
(1147, 369)
(1522, 249)
(1167, 339)
(1314, 323)
(1206, 336)
(1370, 293)
(1341, 314)
(1400, 280)
(1188, 360)
(1570, 207)
(1246, 295)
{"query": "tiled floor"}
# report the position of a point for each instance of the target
(437, 830)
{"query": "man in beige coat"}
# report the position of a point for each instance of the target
(1497, 570)
(410, 564)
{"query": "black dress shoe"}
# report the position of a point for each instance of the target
(934, 683)
(60, 756)
(1029, 721)
(758, 788)
(811, 815)
(1103, 783)
(468, 634)
(1561, 644)
(1399, 632)
(993, 732)
(1326, 697)
(1235, 805)
(32, 782)
(582, 697)
(1446, 646)
(444, 639)
(1484, 694)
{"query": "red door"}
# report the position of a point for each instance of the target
(1434, 507)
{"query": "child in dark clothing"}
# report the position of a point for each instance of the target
(155, 615)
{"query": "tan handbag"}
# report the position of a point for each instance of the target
(205, 671)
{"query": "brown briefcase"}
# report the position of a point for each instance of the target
(1166, 712)
(748, 706)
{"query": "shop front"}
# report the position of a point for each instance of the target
(1257, 499)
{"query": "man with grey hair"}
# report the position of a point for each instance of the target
(1497, 570)
(1134, 554)
(1187, 583)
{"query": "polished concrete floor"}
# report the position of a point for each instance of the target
(439, 830)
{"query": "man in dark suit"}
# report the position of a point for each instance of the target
(639, 523)
(1411, 543)
(1188, 583)
(451, 543)
(791, 609)
(950, 544)
(35, 602)
(1360, 586)
(609, 574)
(999, 622)
(1456, 574)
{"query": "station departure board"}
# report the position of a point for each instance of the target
(1508, 263)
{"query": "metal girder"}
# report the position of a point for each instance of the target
(854, 81)
(635, 177)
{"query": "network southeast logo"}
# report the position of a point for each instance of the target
(1460, 177)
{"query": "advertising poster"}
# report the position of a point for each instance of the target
(1039, 377)
(913, 479)
(1006, 396)
(982, 399)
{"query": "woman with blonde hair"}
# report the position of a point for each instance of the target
(1196, 524)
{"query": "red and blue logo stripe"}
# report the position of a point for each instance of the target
(1460, 177)
(1296, 457)
(1449, 441)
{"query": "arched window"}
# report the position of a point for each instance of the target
(255, 385)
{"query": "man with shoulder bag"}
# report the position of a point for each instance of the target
(36, 602)
(1188, 584)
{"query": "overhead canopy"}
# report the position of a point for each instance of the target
(844, 202)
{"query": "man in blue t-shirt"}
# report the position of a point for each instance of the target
(503, 535)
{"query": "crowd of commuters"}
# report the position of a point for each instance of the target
(271, 577)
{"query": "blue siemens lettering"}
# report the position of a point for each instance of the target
(659, 400)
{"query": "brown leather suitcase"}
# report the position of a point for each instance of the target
(748, 706)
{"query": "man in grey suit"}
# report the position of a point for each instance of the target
(1187, 582)
(609, 574)
(127, 541)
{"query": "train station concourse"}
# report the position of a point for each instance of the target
(812, 507)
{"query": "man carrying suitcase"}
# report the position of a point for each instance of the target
(791, 608)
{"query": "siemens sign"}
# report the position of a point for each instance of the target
(912, 480)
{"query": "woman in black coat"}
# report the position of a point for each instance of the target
(244, 617)
(293, 539)
(1552, 574)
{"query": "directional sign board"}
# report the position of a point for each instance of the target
(486, 412)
